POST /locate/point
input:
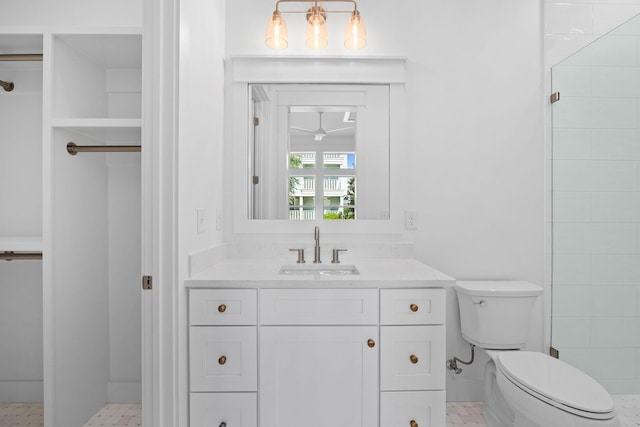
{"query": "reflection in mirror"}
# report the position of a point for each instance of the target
(319, 152)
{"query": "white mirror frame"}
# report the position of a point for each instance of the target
(241, 71)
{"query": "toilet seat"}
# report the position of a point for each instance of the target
(556, 383)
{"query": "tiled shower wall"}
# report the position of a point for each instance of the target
(596, 206)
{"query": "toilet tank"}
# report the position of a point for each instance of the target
(496, 314)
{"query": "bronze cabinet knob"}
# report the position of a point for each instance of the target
(413, 358)
(413, 423)
(414, 307)
(222, 308)
(371, 343)
(222, 360)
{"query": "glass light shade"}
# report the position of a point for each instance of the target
(276, 36)
(317, 36)
(355, 35)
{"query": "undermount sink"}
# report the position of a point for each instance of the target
(325, 270)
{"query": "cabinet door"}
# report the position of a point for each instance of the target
(318, 376)
(412, 357)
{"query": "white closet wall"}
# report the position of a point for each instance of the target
(21, 331)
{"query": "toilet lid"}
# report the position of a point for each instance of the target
(557, 383)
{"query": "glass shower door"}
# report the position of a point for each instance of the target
(596, 210)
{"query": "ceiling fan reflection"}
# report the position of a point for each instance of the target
(320, 133)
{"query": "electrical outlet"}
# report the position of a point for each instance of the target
(411, 220)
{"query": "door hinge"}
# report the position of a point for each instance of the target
(256, 179)
(554, 353)
(555, 97)
(147, 283)
(256, 121)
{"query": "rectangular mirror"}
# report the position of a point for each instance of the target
(319, 152)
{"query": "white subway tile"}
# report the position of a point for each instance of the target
(602, 363)
(560, 48)
(594, 175)
(618, 301)
(614, 238)
(595, 113)
(614, 18)
(571, 331)
(610, 50)
(573, 300)
(623, 82)
(615, 269)
(616, 144)
(572, 143)
(614, 332)
(616, 207)
(595, 238)
(567, 18)
(571, 269)
(571, 206)
(571, 80)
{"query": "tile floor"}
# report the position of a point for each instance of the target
(459, 414)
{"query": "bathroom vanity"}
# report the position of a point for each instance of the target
(317, 346)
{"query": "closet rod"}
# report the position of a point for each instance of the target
(21, 57)
(10, 256)
(74, 149)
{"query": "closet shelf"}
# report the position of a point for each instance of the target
(96, 123)
(20, 244)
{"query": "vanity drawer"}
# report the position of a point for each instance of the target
(412, 358)
(223, 358)
(215, 409)
(424, 408)
(319, 307)
(222, 306)
(412, 306)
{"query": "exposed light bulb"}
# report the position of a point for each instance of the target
(355, 35)
(277, 36)
(317, 36)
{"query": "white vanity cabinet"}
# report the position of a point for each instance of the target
(223, 357)
(317, 357)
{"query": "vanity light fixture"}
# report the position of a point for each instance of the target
(355, 34)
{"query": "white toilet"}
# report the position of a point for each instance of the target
(524, 388)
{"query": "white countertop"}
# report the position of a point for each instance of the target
(261, 273)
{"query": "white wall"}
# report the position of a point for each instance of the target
(475, 128)
(200, 165)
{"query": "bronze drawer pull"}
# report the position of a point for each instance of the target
(222, 308)
(224, 424)
(414, 307)
(222, 360)
(371, 343)
(413, 423)
(413, 358)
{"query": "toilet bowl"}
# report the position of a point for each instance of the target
(524, 388)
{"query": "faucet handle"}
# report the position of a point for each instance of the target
(300, 255)
(336, 256)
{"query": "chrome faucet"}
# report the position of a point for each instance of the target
(316, 253)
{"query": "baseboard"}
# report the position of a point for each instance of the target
(21, 391)
(124, 392)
